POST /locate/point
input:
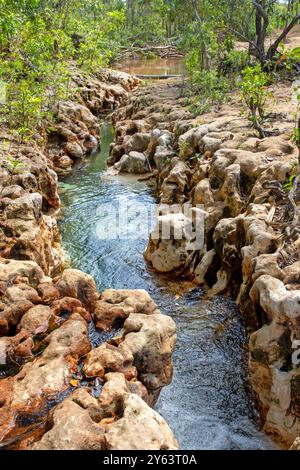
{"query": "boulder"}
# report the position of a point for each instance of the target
(108, 357)
(27, 396)
(81, 286)
(139, 420)
(116, 305)
(74, 425)
(136, 143)
(171, 246)
(112, 423)
(74, 150)
(135, 163)
(37, 320)
(151, 339)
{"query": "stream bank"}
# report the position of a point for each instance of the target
(251, 251)
(208, 404)
(80, 370)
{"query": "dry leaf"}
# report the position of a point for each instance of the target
(74, 383)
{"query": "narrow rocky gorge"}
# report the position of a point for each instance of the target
(57, 389)
(251, 247)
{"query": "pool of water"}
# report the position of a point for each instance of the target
(174, 66)
(208, 404)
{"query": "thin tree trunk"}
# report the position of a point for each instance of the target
(273, 48)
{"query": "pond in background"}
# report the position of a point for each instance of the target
(173, 66)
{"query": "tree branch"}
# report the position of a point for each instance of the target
(285, 32)
(245, 38)
(261, 10)
(198, 16)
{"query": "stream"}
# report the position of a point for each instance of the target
(208, 405)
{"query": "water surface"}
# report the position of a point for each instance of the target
(208, 405)
(174, 66)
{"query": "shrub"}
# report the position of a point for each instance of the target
(255, 93)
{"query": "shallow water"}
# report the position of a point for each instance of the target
(208, 404)
(173, 66)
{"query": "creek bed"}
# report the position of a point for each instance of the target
(208, 405)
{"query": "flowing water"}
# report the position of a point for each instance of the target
(208, 404)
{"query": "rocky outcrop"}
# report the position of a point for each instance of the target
(29, 198)
(76, 132)
(83, 423)
(250, 249)
(56, 392)
(50, 355)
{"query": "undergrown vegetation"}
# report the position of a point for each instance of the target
(41, 41)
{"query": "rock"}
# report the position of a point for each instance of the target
(267, 264)
(163, 157)
(140, 420)
(63, 162)
(80, 423)
(12, 192)
(26, 396)
(151, 339)
(174, 186)
(116, 152)
(27, 207)
(81, 286)
(107, 358)
(47, 292)
(291, 274)
(270, 348)
(12, 269)
(136, 143)
(90, 143)
(204, 265)
(74, 425)
(203, 194)
(17, 300)
(171, 246)
(296, 445)
(115, 306)
(68, 305)
(272, 296)
(74, 150)
(135, 163)
(36, 320)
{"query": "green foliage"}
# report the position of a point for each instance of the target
(287, 58)
(39, 39)
(208, 89)
(255, 93)
(10, 165)
(234, 62)
(288, 186)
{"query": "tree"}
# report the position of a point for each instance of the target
(262, 10)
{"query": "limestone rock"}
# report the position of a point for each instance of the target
(74, 425)
(151, 339)
(36, 320)
(26, 395)
(171, 246)
(140, 420)
(107, 358)
(116, 305)
(135, 163)
(81, 286)
(296, 445)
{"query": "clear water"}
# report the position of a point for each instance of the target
(208, 404)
